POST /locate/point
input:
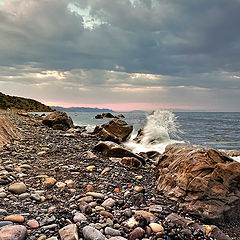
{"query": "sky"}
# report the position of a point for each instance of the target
(122, 54)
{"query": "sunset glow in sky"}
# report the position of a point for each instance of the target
(123, 55)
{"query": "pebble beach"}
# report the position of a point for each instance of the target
(54, 185)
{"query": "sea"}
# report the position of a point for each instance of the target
(218, 130)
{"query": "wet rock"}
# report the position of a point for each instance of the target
(115, 130)
(112, 149)
(136, 233)
(91, 233)
(17, 188)
(98, 116)
(107, 115)
(70, 232)
(58, 120)
(120, 116)
(13, 232)
(131, 162)
(104, 115)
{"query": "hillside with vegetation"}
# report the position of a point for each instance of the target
(30, 105)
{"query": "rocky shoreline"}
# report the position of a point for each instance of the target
(54, 185)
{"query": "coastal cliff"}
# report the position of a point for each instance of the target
(30, 105)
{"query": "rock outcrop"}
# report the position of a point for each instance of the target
(58, 120)
(112, 149)
(115, 130)
(204, 181)
(104, 115)
(8, 131)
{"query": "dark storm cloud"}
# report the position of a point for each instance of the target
(162, 37)
(186, 47)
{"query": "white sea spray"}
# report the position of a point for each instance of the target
(160, 130)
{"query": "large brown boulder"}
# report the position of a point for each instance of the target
(58, 120)
(115, 130)
(204, 181)
(8, 131)
(111, 149)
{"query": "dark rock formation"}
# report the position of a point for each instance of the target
(107, 115)
(104, 115)
(99, 116)
(58, 120)
(120, 116)
(112, 149)
(204, 181)
(115, 130)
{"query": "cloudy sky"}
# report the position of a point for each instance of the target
(122, 54)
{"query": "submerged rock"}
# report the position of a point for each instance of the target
(204, 181)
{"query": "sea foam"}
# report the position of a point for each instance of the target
(236, 158)
(160, 130)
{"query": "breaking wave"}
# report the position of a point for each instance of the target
(160, 130)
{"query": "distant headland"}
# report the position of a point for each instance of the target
(81, 109)
(31, 105)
